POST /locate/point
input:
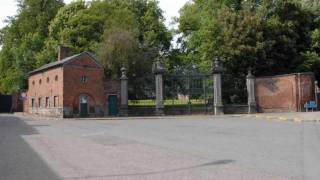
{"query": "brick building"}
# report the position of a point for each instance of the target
(73, 86)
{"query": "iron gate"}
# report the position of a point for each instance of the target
(234, 89)
(188, 90)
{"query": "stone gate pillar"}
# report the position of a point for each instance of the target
(124, 93)
(252, 105)
(217, 70)
(159, 70)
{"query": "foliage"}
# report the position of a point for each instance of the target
(127, 33)
(272, 37)
(21, 39)
(122, 33)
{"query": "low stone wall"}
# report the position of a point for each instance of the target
(141, 111)
(178, 110)
(236, 109)
(184, 110)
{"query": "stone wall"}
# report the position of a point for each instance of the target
(236, 109)
(284, 93)
(183, 110)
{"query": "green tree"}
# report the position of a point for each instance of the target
(270, 36)
(120, 44)
(21, 39)
(119, 32)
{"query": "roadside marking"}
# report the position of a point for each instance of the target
(270, 117)
(283, 118)
(297, 120)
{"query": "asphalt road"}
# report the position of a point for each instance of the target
(187, 148)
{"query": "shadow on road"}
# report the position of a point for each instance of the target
(18, 161)
(214, 163)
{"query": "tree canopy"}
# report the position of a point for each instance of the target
(22, 39)
(121, 33)
(272, 37)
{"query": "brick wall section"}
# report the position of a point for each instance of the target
(285, 93)
(17, 103)
(112, 87)
(49, 87)
(73, 87)
(24, 97)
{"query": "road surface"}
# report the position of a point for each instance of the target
(186, 148)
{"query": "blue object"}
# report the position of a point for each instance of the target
(310, 105)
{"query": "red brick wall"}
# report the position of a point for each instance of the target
(285, 93)
(307, 89)
(24, 96)
(112, 87)
(73, 87)
(17, 103)
(49, 89)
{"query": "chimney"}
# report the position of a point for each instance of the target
(63, 52)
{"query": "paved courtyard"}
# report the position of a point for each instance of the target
(186, 148)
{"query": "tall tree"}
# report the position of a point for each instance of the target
(21, 39)
(100, 26)
(270, 36)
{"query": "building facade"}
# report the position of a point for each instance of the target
(72, 86)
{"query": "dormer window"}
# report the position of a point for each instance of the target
(84, 79)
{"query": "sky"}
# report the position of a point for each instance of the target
(170, 8)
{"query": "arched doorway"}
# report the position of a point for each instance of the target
(84, 107)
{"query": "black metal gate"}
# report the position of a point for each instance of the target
(188, 90)
(234, 89)
(141, 94)
(5, 103)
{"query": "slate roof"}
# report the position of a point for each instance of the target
(62, 62)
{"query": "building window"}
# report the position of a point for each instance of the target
(48, 80)
(40, 81)
(56, 78)
(84, 79)
(32, 103)
(33, 83)
(39, 102)
(55, 101)
(47, 102)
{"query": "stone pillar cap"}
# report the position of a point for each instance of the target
(123, 73)
(217, 68)
(250, 75)
(158, 68)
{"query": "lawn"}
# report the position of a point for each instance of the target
(167, 102)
